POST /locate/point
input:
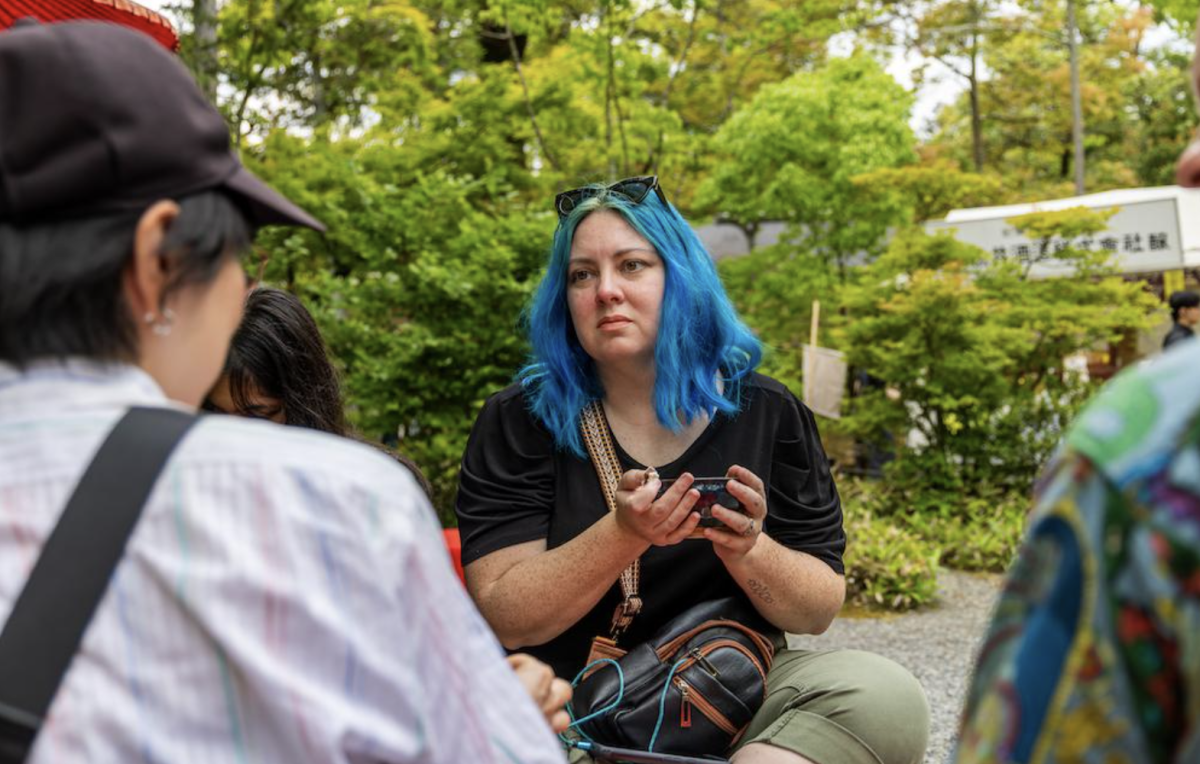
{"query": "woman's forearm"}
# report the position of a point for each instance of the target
(793, 590)
(545, 592)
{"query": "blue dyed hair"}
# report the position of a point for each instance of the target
(700, 336)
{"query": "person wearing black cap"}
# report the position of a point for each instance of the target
(1185, 314)
(285, 595)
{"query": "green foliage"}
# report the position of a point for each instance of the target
(984, 538)
(917, 193)
(922, 324)
(1045, 229)
(974, 533)
(1180, 14)
(792, 153)
(1163, 115)
(897, 539)
(315, 62)
(417, 288)
(976, 351)
(1134, 99)
(773, 288)
(432, 151)
(887, 565)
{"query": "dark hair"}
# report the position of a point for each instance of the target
(1181, 300)
(61, 290)
(278, 352)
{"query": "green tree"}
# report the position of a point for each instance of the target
(1162, 116)
(418, 288)
(309, 63)
(1025, 100)
(622, 88)
(978, 351)
(773, 289)
(954, 33)
(792, 153)
(916, 193)
(1180, 14)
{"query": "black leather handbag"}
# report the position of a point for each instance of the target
(693, 687)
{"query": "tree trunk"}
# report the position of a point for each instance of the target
(204, 19)
(608, 118)
(514, 48)
(751, 231)
(976, 117)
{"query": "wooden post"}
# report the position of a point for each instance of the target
(1076, 106)
(816, 323)
(810, 356)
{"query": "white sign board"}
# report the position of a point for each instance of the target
(1142, 236)
(824, 380)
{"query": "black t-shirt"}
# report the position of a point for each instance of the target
(1178, 333)
(515, 486)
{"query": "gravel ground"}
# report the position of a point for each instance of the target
(938, 646)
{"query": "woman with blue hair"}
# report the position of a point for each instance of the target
(631, 323)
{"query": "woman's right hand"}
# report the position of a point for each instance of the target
(664, 521)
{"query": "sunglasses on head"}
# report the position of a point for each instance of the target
(633, 189)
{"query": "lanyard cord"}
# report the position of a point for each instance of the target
(662, 702)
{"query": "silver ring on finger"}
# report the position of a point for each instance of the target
(750, 528)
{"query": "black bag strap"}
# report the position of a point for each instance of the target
(52, 612)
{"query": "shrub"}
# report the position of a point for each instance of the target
(983, 536)
(978, 532)
(887, 565)
(973, 351)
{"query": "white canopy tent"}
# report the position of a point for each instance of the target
(1155, 229)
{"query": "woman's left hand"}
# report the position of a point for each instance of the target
(740, 532)
(549, 692)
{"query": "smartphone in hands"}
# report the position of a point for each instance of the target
(713, 492)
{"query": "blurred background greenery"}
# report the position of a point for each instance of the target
(432, 135)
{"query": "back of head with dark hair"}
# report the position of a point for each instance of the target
(1181, 300)
(278, 352)
(61, 288)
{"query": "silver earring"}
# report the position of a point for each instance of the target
(161, 326)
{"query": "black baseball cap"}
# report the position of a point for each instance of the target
(96, 117)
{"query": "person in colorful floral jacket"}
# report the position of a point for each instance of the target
(1094, 649)
(1093, 654)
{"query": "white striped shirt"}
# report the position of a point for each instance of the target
(286, 597)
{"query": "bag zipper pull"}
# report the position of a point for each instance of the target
(705, 662)
(685, 706)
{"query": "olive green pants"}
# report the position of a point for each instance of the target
(839, 707)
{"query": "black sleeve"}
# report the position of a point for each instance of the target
(806, 512)
(1178, 333)
(506, 481)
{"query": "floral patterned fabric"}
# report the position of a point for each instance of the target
(1093, 654)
